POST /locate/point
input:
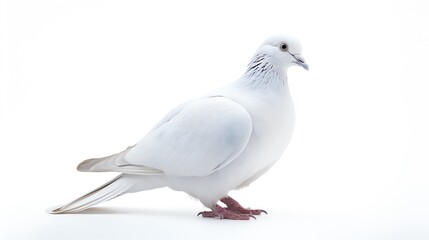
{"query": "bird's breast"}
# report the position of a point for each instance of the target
(273, 120)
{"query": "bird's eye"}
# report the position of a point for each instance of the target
(283, 47)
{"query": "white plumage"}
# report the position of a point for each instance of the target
(211, 145)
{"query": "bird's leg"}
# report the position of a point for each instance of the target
(234, 206)
(223, 213)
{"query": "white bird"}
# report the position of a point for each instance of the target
(209, 146)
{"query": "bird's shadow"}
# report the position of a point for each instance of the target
(134, 211)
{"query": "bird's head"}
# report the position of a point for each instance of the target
(282, 50)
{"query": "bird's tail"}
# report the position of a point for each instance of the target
(120, 185)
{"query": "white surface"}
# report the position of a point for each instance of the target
(356, 167)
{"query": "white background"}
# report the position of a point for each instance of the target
(83, 79)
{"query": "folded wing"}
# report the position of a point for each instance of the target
(194, 139)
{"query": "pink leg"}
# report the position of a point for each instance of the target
(234, 206)
(222, 213)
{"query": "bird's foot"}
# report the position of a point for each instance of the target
(234, 206)
(224, 213)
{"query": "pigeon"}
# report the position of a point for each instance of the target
(211, 145)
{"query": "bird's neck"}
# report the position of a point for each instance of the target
(264, 73)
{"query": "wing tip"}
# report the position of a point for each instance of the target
(82, 167)
(54, 210)
(86, 166)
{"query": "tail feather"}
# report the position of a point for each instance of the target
(116, 187)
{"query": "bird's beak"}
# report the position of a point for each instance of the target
(300, 61)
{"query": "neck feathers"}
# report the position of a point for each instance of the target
(263, 72)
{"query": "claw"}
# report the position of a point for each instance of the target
(233, 210)
(234, 206)
(222, 213)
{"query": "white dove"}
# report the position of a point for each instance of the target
(211, 145)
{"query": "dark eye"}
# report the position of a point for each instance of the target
(283, 47)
